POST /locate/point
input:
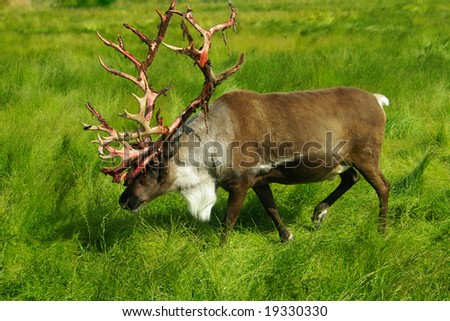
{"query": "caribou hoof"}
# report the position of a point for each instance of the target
(320, 213)
(287, 238)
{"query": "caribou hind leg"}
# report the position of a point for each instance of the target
(266, 197)
(348, 179)
(372, 173)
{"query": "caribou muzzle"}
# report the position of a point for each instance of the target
(130, 202)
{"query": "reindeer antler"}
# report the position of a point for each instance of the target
(201, 56)
(136, 144)
(138, 148)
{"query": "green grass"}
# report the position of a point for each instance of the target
(64, 237)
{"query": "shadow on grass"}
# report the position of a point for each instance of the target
(106, 224)
(414, 179)
(291, 202)
(408, 197)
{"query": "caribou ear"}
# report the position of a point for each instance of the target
(170, 148)
(162, 174)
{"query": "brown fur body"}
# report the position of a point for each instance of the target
(249, 140)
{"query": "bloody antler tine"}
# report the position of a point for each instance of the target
(120, 49)
(229, 72)
(119, 73)
(141, 36)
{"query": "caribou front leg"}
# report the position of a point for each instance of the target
(235, 200)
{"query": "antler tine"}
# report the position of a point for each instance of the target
(119, 73)
(120, 48)
(231, 71)
(144, 116)
(232, 22)
(141, 36)
(153, 46)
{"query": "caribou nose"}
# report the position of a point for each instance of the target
(124, 202)
(130, 203)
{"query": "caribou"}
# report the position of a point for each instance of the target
(243, 140)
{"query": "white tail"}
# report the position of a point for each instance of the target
(382, 100)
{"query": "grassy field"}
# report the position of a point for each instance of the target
(63, 235)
